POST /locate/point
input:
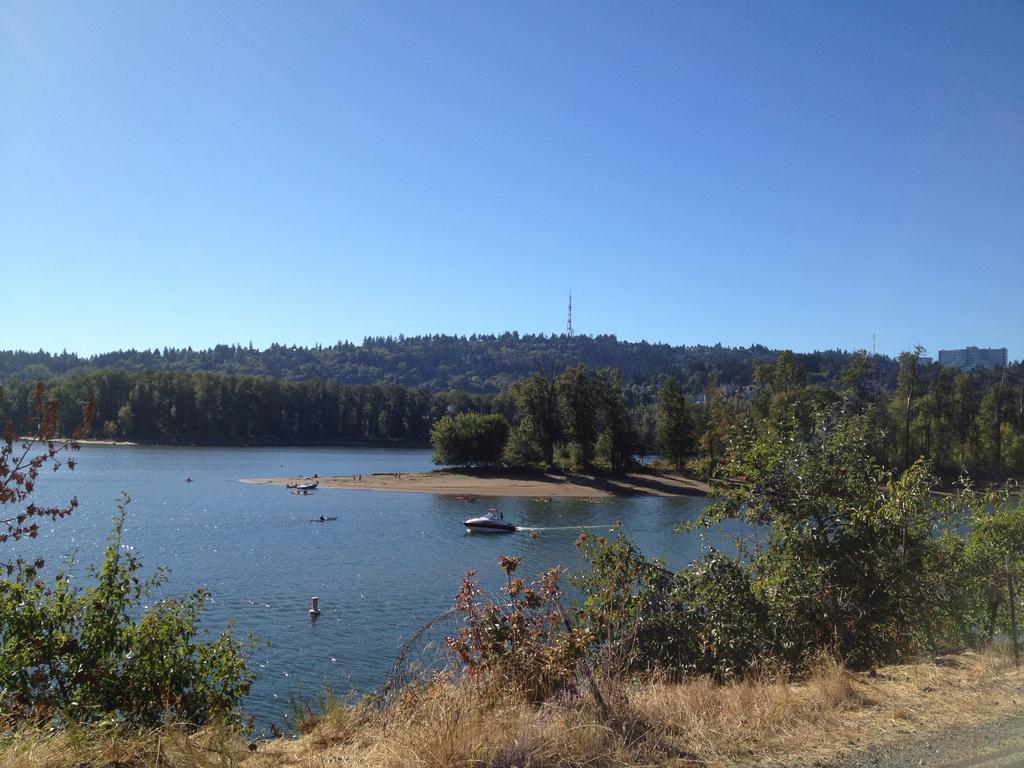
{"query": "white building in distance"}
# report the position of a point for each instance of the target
(973, 357)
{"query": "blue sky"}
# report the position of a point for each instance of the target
(800, 175)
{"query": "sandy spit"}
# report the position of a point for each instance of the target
(91, 441)
(550, 485)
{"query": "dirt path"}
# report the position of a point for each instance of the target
(996, 744)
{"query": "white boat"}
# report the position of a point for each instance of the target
(489, 523)
(307, 486)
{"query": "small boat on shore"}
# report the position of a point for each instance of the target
(304, 486)
(489, 523)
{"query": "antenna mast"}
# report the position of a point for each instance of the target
(568, 327)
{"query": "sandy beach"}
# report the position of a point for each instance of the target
(454, 483)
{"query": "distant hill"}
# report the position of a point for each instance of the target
(481, 364)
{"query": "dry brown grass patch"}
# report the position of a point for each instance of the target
(769, 720)
(833, 687)
(830, 713)
(167, 747)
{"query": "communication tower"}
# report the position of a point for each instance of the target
(568, 327)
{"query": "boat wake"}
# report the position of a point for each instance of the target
(563, 527)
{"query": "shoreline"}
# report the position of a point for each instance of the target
(92, 441)
(448, 482)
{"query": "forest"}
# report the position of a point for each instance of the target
(477, 363)
(223, 409)
(579, 417)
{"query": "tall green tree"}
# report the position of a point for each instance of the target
(965, 406)
(941, 434)
(618, 441)
(578, 410)
(539, 426)
(717, 418)
(992, 418)
(858, 382)
(675, 433)
(907, 391)
(783, 403)
(469, 439)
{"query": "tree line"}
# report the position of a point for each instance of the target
(960, 423)
(476, 363)
(229, 410)
(969, 423)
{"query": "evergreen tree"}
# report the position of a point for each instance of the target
(617, 442)
(675, 435)
(578, 409)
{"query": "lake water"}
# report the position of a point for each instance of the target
(390, 563)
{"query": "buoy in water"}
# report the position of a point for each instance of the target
(314, 611)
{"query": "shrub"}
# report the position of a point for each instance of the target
(704, 620)
(94, 654)
(996, 535)
(524, 641)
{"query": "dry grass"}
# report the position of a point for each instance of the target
(650, 723)
(168, 747)
(833, 712)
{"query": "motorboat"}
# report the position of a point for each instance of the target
(304, 486)
(492, 522)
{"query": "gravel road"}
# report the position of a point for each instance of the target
(998, 744)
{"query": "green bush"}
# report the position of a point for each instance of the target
(92, 653)
(863, 562)
(996, 533)
(703, 620)
(850, 560)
